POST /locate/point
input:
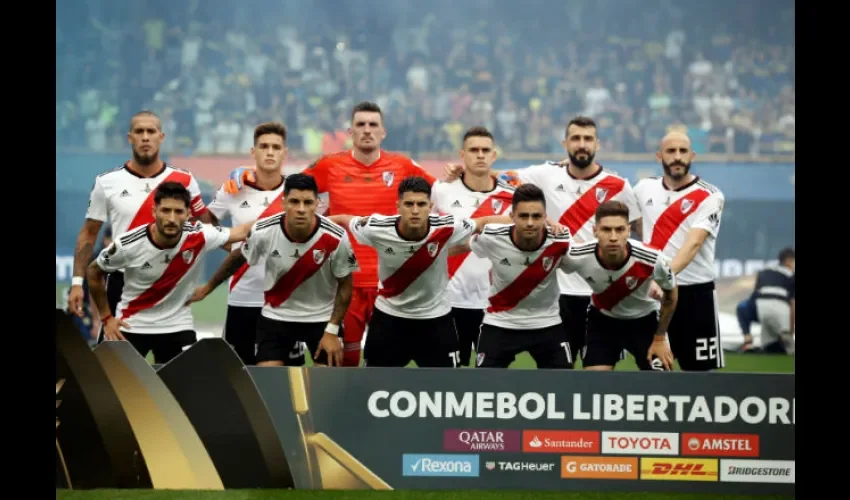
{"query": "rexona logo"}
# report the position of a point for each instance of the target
(723, 445)
(520, 466)
(679, 469)
(757, 471)
(576, 467)
(481, 440)
(645, 443)
(543, 441)
(440, 465)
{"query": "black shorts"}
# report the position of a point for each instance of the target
(694, 331)
(498, 347)
(607, 337)
(240, 331)
(393, 341)
(468, 326)
(574, 321)
(165, 346)
(114, 289)
(276, 338)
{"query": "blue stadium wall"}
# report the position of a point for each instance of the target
(758, 219)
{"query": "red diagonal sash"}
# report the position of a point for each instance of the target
(583, 209)
(619, 289)
(145, 212)
(671, 218)
(528, 280)
(486, 209)
(274, 208)
(303, 268)
(174, 272)
(414, 266)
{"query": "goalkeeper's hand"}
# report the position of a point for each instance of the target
(510, 177)
(238, 177)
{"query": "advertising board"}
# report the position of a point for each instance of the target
(380, 429)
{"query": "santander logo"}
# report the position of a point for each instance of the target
(548, 441)
(646, 443)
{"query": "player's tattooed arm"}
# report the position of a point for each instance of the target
(231, 264)
(668, 307)
(342, 299)
(85, 245)
(97, 288)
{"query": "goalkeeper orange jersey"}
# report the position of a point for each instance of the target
(357, 189)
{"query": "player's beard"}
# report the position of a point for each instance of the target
(145, 159)
(668, 169)
(578, 162)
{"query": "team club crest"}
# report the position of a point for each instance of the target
(318, 256)
(686, 206)
(601, 193)
(432, 249)
(388, 178)
(631, 282)
(188, 256)
(547, 263)
(497, 205)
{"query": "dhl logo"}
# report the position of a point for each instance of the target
(679, 469)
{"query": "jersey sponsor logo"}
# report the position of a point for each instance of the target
(543, 441)
(758, 471)
(580, 467)
(440, 465)
(481, 440)
(723, 445)
(646, 443)
(679, 469)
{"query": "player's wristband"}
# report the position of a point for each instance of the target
(77, 281)
(332, 328)
(105, 318)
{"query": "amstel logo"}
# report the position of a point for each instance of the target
(679, 469)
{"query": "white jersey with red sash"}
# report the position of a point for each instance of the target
(126, 200)
(573, 203)
(669, 215)
(622, 293)
(158, 281)
(248, 205)
(413, 275)
(469, 280)
(300, 278)
(524, 291)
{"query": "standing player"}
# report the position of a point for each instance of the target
(260, 198)
(412, 317)
(681, 217)
(474, 194)
(125, 197)
(574, 188)
(362, 181)
(161, 262)
(523, 305)
(307, 262)
(622, 314)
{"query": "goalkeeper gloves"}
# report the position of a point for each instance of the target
(238, 177)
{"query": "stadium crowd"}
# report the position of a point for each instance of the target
(214, 70)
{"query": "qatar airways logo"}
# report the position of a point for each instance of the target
(644, 443)
(481, 440)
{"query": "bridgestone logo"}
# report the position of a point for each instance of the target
(759, 471)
